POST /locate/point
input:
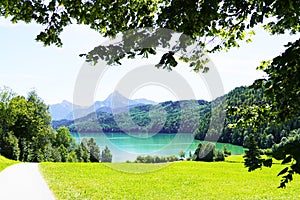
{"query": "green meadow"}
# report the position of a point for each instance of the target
(179, 180)
(4, 162)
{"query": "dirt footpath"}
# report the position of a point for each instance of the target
(24, 181)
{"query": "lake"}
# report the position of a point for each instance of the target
(126, 146)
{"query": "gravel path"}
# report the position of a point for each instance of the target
(25, 182)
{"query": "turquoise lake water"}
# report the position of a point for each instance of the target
(126, 146)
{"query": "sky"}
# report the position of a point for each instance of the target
(53, 71)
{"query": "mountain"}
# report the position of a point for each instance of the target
(66, 110)
(145, 101)
(114, 103)
(117, 100)
(206, 120)
(166, 117)
(61, 110)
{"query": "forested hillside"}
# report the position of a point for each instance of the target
(166, 117)
(207, 120)
(241, 97)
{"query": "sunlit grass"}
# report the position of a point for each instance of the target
(180, 180)
(235, 159)
(4, 162)
(240, 159)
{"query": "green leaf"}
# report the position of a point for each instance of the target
(268, 162)
(283, 171)
(287, 160)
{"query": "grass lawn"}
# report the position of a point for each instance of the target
(240, 159)
(4, 162)
(180, 180)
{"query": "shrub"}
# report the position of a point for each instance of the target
(182, 154)
(227, 152)
(155, 159)
(204, 152)
(219, 156)
(207, 152)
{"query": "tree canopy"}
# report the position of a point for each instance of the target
(26, 133)
(212, 24)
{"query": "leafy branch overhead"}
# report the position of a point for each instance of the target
(145, 42)
(213, 25)
(280, 103)
(288, 151)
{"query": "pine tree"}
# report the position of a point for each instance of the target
(252, 157)
(106, 155)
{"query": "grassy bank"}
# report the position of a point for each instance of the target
(180, 180)
(4, 162)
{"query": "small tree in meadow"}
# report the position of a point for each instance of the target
(106, 155)
(252, 157)
(94, 150)
(182, 154)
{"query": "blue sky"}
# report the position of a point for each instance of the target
(52, 71)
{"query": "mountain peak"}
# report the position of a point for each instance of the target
(145, 101)
(116, 93)
(116, 99)
(66, 102)
(115, 102)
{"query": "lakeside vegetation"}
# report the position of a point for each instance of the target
(181, 180)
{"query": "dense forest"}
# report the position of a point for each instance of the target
(26, 133)
(266, 135)
(206, 120)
